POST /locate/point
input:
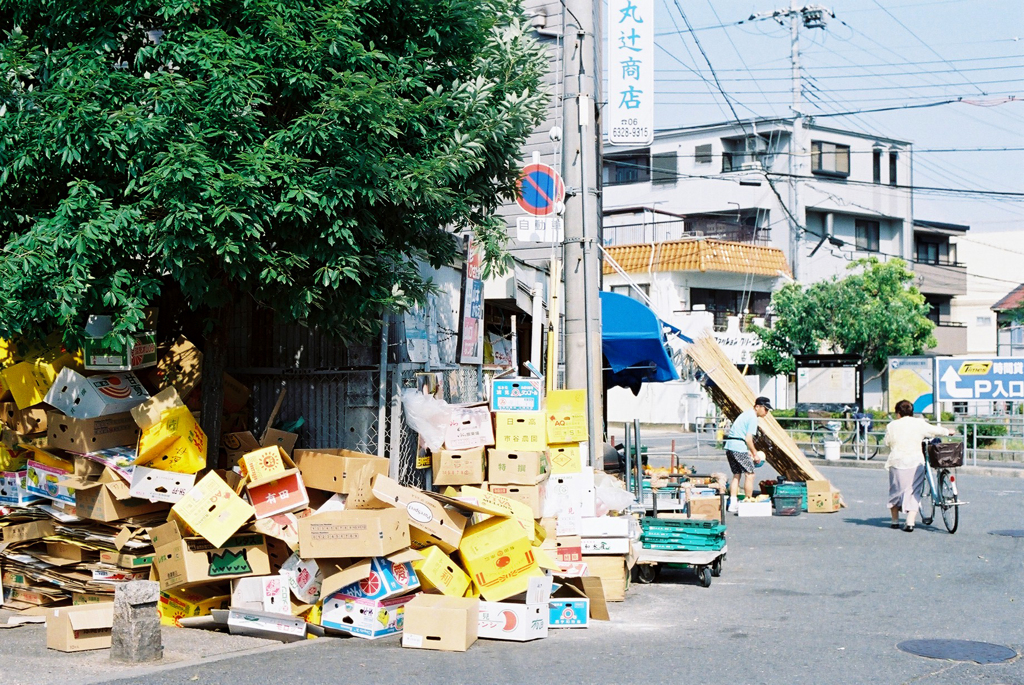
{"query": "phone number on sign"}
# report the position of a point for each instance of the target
(630, 132)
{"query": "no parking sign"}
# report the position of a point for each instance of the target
(541, 190)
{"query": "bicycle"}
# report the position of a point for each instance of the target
(941, 460)
(865, 442)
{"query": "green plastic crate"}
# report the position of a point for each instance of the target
(647, 521)
(792, 490)
(708, 546)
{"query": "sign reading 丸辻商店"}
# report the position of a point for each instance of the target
(630, 109)
(986, 379)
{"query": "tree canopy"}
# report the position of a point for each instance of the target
(874, 312)
(303, 154)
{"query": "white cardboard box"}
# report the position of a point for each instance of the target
(160, 486)
(604, 527)
(261, 593)
(754, 508)
(605, 545)
(270, 626)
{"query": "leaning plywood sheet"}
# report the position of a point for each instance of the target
(731, 393)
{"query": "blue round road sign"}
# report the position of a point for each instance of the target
(540, 190)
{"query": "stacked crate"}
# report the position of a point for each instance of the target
(681, 535)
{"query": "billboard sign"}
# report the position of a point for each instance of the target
(630, 108)
(986, 379)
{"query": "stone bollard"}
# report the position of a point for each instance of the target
(136, 637)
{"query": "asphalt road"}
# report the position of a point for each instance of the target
(813, 599)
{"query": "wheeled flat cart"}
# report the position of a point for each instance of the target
(706, 563)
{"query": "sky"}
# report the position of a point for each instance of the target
(873, 54)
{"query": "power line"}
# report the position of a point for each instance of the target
(866, 65)
(1014, 67)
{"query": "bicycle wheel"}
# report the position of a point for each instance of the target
(818, 442)
(927, 503)
(870, 445)
(950, 510)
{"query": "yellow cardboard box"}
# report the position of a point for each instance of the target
(566, 414)
(264, 464)
(175, 443)
(519, 430)
(213, 510)
(499, 557)
(180, 603)
(439, 573)
(29, 381)
(565, 458)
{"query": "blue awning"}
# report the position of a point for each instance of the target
(633, 343)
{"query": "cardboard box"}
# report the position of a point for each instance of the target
(530, 495)
(520, 619)
(822, 498)
(303, 577)
(752, 508)
(707, 507)
(605, 545)
(565, 458)
(237, 445)
(438, 573)
(448, 624)
(43, 476)
(604, 527)
(277, 438)
(23, 532)
(386, 578)
(108, 499)
(89, 397)
(442, 526)
(213, 510)
(570, 494)
(23, 421)
(99, 356)
(499, 558)
(174, 443)
(569, 548)
(486, 502)
(568, 608)
(506, 467)
(182, 562)
(11, 459)
(366, 618)
(333, 469)
(468, 428)
(353, 533)
(566, 414)
(280, 495)
(266, 625)
(261, 593)
(517, 394)
(90, 435)
(29, 381)
(160, 486)
(77, 629)
(126, 561)
(182, 603)
(265, 464)
(14, 489)
(83, 598)
(459, 467)
(519, 431)
(613, 574)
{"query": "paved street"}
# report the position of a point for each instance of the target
(810, 599)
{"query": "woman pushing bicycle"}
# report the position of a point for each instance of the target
(906, 462)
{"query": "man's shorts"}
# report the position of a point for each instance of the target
(740, 462)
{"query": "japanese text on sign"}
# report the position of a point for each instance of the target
(630, 72)
(980, 379)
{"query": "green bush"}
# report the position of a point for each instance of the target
(988, 430)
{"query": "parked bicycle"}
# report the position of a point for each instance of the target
(941, 460)
(853, 429)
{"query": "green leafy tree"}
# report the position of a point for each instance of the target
(874, 312)
(304, 155)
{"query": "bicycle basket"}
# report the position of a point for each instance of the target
(946, 455)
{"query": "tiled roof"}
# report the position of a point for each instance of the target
(699, 254)
(1014, 299)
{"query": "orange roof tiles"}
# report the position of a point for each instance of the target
(699, 254)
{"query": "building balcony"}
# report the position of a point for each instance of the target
(950, 338)
(940, 278)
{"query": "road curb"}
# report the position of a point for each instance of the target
(1001, 471)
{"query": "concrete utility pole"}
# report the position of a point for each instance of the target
(581, 164)
(812, 17)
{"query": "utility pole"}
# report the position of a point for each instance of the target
(812, 17)
(581, 165)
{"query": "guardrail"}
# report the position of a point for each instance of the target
(991, 439)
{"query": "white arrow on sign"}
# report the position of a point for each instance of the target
(951, 378)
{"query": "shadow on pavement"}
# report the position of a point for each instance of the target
(881, 522)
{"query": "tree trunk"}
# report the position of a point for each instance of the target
(215, 354)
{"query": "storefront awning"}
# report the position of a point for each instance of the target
(633, 343)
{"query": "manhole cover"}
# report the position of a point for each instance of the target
(958, 650)
(1008, 533)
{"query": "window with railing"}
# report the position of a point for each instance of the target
(630, 167)
(935, 251)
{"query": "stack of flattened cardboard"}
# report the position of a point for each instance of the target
(730, 392)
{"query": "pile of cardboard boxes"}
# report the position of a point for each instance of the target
(107, 477)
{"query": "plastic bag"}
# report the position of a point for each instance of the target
(613, 499)
(427, 416)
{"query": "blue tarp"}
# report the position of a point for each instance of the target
(633, 343)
